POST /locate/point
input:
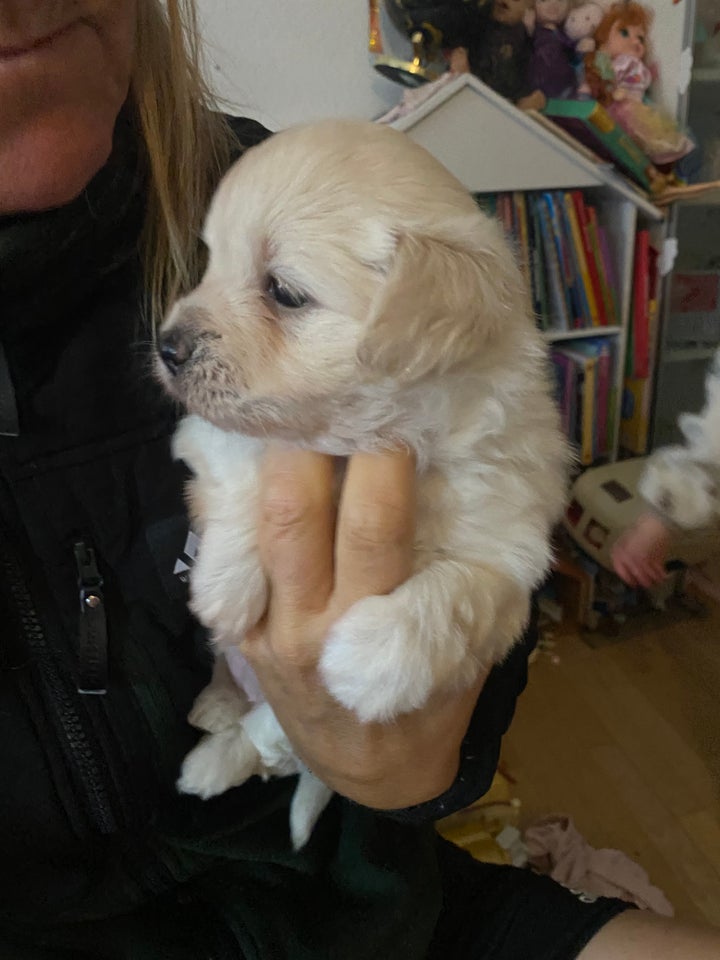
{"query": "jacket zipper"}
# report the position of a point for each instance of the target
(57, 698)
(92, 628)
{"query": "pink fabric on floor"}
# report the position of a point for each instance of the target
(556, 848)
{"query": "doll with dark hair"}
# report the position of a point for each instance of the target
(551, 70)
(497, 49)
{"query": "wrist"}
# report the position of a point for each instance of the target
(384, 768)
(394, 786)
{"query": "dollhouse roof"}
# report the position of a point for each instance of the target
(491, 146)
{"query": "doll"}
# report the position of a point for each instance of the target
(582, 22)
(619, 77)
(497, 48)
(580, 27)
(551, 70)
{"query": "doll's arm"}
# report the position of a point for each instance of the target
(458, 60)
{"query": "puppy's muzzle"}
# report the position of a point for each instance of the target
(179, 341)
(176, 348)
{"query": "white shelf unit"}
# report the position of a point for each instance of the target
(493, 147)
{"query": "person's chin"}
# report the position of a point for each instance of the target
(50, 162)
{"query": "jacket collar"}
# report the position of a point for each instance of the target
(50, 261)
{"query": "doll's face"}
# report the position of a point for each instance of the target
(625, 40)
(509, 12)
(551, 12)
(583, 21)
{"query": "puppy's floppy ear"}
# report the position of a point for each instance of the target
(439, 305)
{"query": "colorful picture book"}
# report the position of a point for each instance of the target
(591, 124)
(564, 254)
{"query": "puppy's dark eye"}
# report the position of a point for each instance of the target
(284, 295)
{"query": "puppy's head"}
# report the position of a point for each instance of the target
(341, 255)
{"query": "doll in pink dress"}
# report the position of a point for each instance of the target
(619, 79)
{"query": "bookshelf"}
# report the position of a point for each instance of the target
(494, 148)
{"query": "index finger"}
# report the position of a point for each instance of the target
(295, 528)
(376, 525)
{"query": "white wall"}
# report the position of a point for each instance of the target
(286, 61)
(667, 38)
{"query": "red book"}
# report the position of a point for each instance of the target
(603, 403)
(641, 306)
(583, 216)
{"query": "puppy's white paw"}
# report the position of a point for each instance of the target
(227, 595)
(376, 661)
(220, 761)
(217, 708)
(309, 800)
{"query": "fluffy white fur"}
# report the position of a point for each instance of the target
(683, 482)
(415, 329)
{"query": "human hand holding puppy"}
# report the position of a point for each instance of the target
(318, 567)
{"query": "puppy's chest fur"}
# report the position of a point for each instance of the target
(226, 489)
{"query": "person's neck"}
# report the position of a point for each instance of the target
(55, 257)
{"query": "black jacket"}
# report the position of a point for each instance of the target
(99, 855)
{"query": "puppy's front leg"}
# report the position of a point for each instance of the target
(387, 654)
(228, 589)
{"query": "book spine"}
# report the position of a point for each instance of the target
(588, 412)
(609, 270)
(594, 266)
(563, 259)
(559, 319)
(542, 306)
(603, 372)
(573, 233)
(576, 204)
(605, 291)
(641, 306)
(521, 227)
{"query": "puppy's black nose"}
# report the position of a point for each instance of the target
(175, 348)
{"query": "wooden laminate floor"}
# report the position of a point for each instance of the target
(623, 735)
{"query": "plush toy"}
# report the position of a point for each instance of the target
(551, 70)
(619, 77)
(580, 27)
(582, 22)
(497, 48)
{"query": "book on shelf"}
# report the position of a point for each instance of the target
(586, 394)
(638, 354)
(601, 252)
(554, 313)
(564, 254)
(522, 229)
(634, 426)
(580, 277)
(637, 386)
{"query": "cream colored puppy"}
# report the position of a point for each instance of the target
(356, 298)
